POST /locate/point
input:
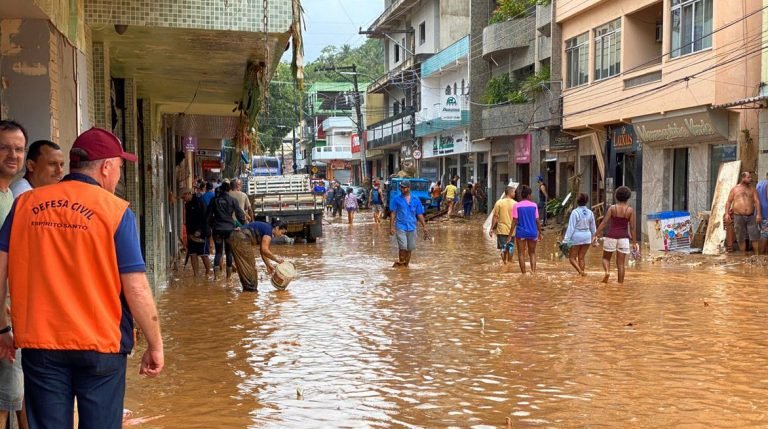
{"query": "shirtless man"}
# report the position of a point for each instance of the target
(743, 207)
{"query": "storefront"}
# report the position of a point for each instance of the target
(625, 167)
(681, 155)
(563, 148)
(522, 145)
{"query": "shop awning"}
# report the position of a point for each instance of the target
(741, 102)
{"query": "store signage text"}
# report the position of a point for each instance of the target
(624, 138)
(689, 127)
(451, 110)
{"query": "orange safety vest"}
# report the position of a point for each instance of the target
(62, 269)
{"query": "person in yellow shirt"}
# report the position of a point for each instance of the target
(451, 192)
(502, 223)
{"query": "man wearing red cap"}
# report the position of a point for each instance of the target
(73, 315)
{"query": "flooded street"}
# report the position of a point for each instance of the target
(457, 340)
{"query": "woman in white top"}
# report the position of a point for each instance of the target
(581, 230)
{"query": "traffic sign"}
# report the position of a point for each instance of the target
(314, 170)
(417, 154)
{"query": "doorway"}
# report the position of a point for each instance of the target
(680, 179)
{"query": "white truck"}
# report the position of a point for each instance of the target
(289, 198)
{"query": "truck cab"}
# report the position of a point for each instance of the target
(289, 198)
(419, 189)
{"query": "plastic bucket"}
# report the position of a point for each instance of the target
(283, 275)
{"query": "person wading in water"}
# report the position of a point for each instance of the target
(621, 231)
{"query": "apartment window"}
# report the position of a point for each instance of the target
(577, 57)
(608, 50)
(397, 53)
(402, 104)
(463, 87)
(455, 89)
(691, 26)
(395, 108)
(448, 90)
(422, 33)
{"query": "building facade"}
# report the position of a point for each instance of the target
(135, 68)
(413, 31)
(652, 91)
(515, 96)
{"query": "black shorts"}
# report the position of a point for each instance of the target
(197, 248)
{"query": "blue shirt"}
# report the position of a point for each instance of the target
(127, 248)
(207, 197)
(526, 212)
(407, 212)
(260, 228)
(762, 186)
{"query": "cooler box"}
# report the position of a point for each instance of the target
(669, 231)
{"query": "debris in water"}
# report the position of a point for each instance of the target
(482, 323)
(706, 304)
(496, 351)
(630, 324)
(362, 282)
(757, 261)
(299, 393)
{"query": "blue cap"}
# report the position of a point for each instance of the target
(405, 184)
(539, 179)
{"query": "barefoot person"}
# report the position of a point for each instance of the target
(621, 231)
(743, 209)
(350, 205)
(407, 211)
(580, 232)
(501, 224)
(527, 228)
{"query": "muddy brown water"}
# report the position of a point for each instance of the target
(458, 341)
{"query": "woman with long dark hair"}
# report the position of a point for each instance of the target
(622, 230)
(222, 213)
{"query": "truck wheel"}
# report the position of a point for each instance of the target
(309, 237)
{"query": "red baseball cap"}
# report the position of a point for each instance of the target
(98, 144)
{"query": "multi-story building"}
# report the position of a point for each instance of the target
(515, 95)
(413, 31)
(442, 124)
(333, 104)
(652, 93)
(152, 72)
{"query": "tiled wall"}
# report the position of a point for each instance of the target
(67, 17)
(101, 85)
(155, 198)
(233, 15)
(131, 145)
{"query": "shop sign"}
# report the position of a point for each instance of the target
(623, 138)
(681, 127)
(451, 110)
(338, 164)
(355, 143)
(209, 153)
(442, 145)
(209, 164)
(562, 143)
(190, 144)
(406, 155)
(522, 149)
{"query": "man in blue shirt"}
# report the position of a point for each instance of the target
(406, 213)
(762, 196)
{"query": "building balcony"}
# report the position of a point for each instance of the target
(447, 58)
(508, 119)
(544, 18)
(508, 35)
(329, 153)
(401, 72)
(391, 132)
(392, 13)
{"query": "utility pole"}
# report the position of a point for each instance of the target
(358, 113)
(293, 145)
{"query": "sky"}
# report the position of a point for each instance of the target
(335, 22)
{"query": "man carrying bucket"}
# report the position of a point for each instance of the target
(407, 211)
(261, 234)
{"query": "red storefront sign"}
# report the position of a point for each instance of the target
(209, 164)
(522, 149)
(355, 143)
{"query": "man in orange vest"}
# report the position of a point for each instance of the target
(73, 314)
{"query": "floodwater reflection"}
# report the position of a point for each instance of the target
(458, 340)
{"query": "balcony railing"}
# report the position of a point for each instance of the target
(390, 131)
(445, 58)
(327, 153)
(508, 35)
